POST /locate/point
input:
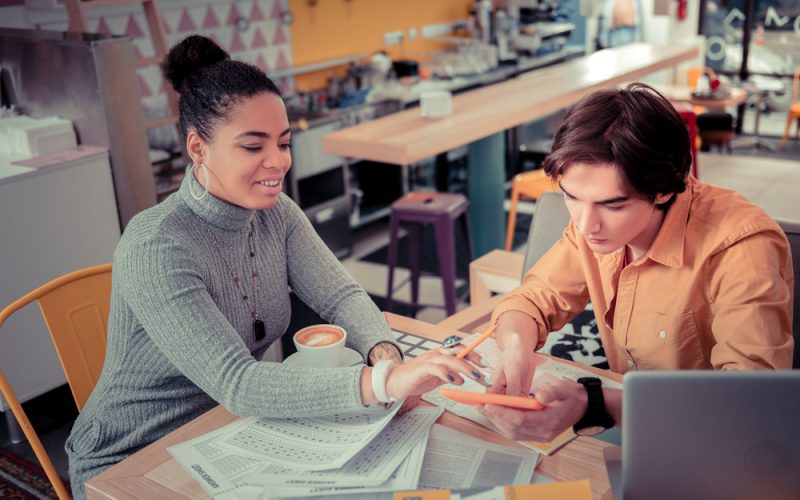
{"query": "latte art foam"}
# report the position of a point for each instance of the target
(319, 337)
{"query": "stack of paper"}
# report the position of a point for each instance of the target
(452, 461)
(355, 453)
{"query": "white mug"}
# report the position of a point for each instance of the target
(320, 346)
(436, 103)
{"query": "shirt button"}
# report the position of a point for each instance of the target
(630, 363)
(662, 334)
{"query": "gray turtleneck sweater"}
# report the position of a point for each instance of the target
(180, 334)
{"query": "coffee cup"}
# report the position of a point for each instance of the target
(320, 346)
(436, 103)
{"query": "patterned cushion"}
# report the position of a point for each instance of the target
(578, 341)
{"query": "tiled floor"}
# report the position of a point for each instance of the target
(769, 182)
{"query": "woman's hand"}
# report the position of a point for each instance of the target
(384, 350)
(565, 402)
(430, 370)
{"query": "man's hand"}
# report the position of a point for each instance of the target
(515, 373)
(565, 403)
(516, 335)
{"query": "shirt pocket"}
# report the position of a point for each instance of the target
(659, 341)
(85, 438)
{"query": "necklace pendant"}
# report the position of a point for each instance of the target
(259, 332)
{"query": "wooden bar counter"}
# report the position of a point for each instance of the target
(406, 137)
(480, 116)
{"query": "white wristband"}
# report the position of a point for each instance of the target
(379, 373)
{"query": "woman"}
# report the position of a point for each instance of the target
(201, 282)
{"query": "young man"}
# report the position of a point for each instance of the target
(681, 274)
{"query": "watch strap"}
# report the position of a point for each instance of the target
(379, 374)
(596, 414)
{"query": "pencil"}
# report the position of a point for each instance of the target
(485, 335)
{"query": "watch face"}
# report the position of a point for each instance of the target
(590, 381)
(590, 431)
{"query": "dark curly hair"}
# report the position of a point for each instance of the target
(210, 83)
(635, 128)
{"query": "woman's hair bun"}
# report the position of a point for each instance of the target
(189, 56)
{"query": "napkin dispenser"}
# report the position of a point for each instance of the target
(28, 137)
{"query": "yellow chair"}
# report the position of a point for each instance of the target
(794, 110)
(529, 185)
(75, 309)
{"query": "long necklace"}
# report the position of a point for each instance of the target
(259, 332)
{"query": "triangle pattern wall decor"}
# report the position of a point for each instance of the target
(198, 13)
(262, 63)
(255, 13)
(233, 16)
(280, 37)
(132, 28)
(237, 45)
(102, 27)
(186, 23)
(171, 18)
(266, 43)
(277, 11)
(258, 40)
(210, 21)
(282, 62)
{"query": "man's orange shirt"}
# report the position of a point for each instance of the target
(714, 290)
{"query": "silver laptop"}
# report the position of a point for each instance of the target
(709, 435)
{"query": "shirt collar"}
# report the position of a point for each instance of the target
(211, 209)
(668, 247)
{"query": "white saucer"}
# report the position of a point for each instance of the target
(349, 358)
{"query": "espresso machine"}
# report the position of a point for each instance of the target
(534, 26)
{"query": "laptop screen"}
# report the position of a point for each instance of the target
(708, 435)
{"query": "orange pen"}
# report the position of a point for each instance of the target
(485, 335)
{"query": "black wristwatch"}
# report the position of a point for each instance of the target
(596, 419)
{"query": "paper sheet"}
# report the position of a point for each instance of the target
(456, 460)
(372, 466)
(220, 466)
(406, 476)
(319, 443)
(215, 468)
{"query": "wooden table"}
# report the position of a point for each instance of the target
(683, 94)
(481, 116)
(153, 473)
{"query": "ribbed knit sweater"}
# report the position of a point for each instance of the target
(180, 334)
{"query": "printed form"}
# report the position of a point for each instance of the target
(219, 467)
(312, 443)
(455, 460)
(452, 460)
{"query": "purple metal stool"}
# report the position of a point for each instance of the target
(440, 209)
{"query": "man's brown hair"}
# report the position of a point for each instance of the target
(634, 128)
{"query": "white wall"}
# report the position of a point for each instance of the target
(14, 17)
(667, 30)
